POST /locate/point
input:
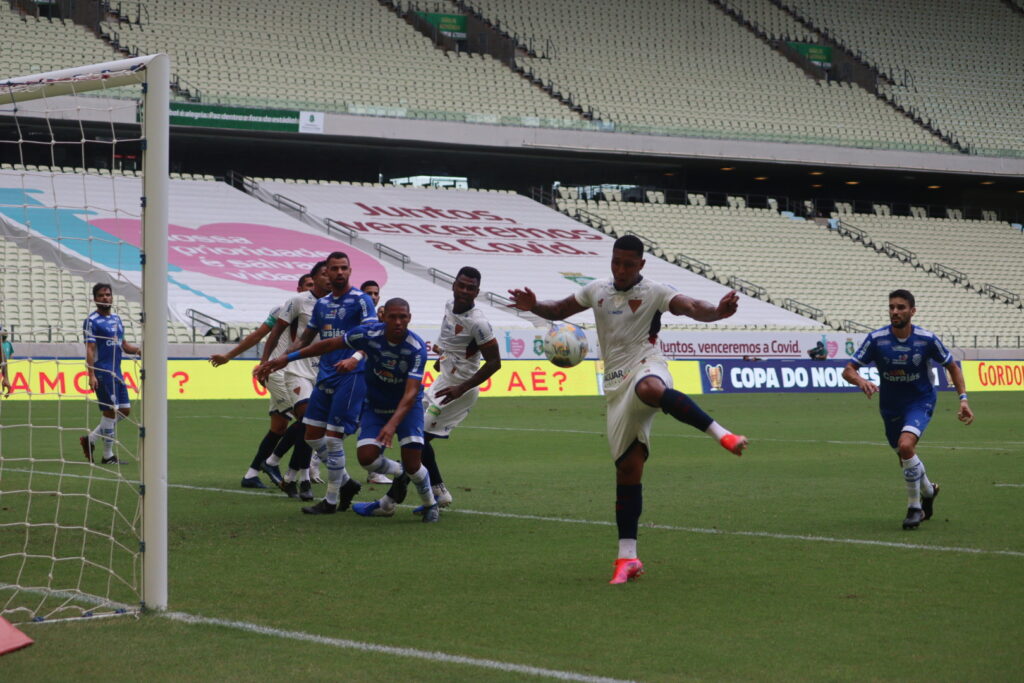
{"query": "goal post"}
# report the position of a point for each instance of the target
(23, 99)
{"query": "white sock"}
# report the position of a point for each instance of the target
(627, 548)
(304, 475)
(337, 475)
(274, 459)
(107, 429)
(250, 473)
(290, 475)
(384, 465)
(421, 479)
(913, 470)
(927, 489)
(716, 432)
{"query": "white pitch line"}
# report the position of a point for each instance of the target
(1014, 486)
(662, 527)
(429, 655)
(933, 445)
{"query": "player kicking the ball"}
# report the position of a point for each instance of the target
(395, 359)
(637, 382)
(902, 353)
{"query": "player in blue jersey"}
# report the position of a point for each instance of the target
(104, 343)
(5, 355)
(902, 353)
(336, 398)
(395, 359)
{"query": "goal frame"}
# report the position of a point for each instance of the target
(153, 73)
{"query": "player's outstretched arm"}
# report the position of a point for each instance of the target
(964, 413)
(851, 375)
(525, 300)
(413, 385)
(263, 370)
(705, 311)
(250, 341)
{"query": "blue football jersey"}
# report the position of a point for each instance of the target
(333, 317)
(903, 369)
(388, 365)
(107, 333)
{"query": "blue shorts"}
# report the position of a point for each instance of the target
(409, 433)
(337, 407)
(111, 391)
(913, 418)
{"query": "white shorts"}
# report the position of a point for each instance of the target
(280, 400)
(629, 418)
(440, 420)
(299, 387)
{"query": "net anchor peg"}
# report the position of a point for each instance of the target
(142, 489)
(142, 432)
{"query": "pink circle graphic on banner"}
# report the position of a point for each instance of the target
(250, 253)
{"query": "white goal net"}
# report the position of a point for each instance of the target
(83, 217)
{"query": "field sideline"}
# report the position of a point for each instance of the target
(788, 563)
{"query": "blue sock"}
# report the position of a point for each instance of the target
(681, 407)
(629, 503)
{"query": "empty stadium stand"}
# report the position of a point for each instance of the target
(956, 64)
(689, 69)
(34, 45)
(806, 266)
(356, 56)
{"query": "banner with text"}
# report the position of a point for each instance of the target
(993, 375)
(731, 376)
(197, 379)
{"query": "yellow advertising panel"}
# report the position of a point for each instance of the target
(993, 375)
(197, 379)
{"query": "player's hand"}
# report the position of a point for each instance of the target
(965, 414)
(728, 305)
(523, 299)
(449, 394)
(93, 383)
(347, 365)
(264, 370)
(386, 434)
(6, 383)
(219, 359)
(869, 388)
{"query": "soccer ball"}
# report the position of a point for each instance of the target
(565, 345)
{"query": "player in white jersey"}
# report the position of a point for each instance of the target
(298, 381)
(637, 382)
(466, 337)
(279, 439)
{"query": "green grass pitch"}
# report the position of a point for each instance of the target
(786, 564)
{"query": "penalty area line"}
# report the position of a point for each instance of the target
(429, 655)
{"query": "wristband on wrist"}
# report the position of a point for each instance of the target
(359, 355)
(963, 397)
(294, 355)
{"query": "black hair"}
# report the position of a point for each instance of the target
(630, 243)
(903, 294)
(397, 301)
(100, 286)
(336, 254)
(470, 272)
(316, 268)
(369, 283)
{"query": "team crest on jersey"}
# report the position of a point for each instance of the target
(634, 304)
(916, 360)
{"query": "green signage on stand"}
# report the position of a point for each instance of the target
(819, 54)
(453, 25)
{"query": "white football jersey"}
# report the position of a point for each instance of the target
(462, 335)
(286, 338)
(627, 323)
(300, 308)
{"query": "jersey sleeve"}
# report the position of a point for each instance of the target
(663, 295)
(482, 330)
(87, 331)
(418, 362)
(354, 338)
(939, 353)
(272, 316)
(586, 295)
(290, 311)
(367, 310)
(866, 353)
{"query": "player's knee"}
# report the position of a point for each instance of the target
(650, 390)
(367, 455)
